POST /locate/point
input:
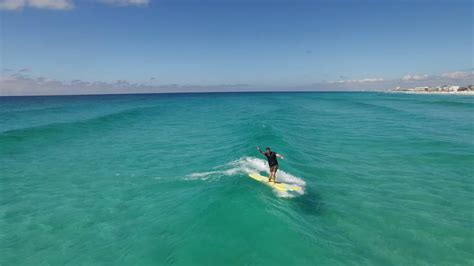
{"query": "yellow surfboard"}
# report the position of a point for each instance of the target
(277, 185)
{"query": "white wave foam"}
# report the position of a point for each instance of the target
(247, 165)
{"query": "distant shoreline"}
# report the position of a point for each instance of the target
(471, 93)
(445, 89)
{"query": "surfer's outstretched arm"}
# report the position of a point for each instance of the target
(280, 156)
(259, 150)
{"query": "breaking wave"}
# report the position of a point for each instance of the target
(247, 165)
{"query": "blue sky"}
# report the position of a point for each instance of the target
(259, 44)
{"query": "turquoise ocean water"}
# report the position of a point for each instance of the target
(162, 179)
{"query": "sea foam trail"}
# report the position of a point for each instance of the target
(247, 165)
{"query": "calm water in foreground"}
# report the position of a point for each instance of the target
(162, 179)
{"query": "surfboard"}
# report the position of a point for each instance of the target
(277, 185)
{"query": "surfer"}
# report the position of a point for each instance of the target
(272, 162)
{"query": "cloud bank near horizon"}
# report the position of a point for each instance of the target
(21, 82)
(39, 4)
(62, 4)
(126, 2)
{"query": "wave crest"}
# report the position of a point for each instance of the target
(247, 165)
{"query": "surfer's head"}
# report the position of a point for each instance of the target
(267, 149)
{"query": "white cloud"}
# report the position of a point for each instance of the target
(358, 80)
(24, 70)
(52, 4)
(62, 4)
(415, 77)
(456, 75)
(126, 2)
(40, 4)
(370, 80)
(12, 4)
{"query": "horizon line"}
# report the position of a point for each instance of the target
(199, 92)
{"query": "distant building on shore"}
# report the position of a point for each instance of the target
(444, 88)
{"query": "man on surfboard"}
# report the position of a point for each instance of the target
(272, 162)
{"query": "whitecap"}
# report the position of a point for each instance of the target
(247, 165)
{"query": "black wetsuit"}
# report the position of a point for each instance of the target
(272, 159)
